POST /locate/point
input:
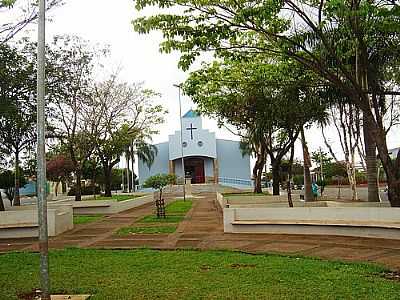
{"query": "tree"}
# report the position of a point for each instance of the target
(248, 95)
(159, 182)
(321, 158)
(145, 152)
(124, 115)
(333, 169)
(2, 207)
(59, 169)
(72, 62)
(18, 108)
(347, 121)
(7, 182)
(18, 15)
(338, 40)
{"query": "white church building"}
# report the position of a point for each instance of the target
(206, 159)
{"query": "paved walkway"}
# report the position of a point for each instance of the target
(203, 229)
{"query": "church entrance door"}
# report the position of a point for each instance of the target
(194, 168)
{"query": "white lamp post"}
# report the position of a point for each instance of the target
(182, 159)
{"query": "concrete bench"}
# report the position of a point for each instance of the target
(18, 225)
(376, 222)
(22, 221)
(107, 207)
(86, 204)
(343, 223)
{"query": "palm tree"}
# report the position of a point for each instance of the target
(145, 152)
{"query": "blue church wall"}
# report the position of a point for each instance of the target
(231, 163)
(233, 168)
(178, 167)
(208, 167)
(160, 164)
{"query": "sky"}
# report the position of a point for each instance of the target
(109, 23)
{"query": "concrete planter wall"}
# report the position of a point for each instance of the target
(23, 221)
(107, 207)
(270, 215)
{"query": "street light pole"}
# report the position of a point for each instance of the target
(182, 159)
(41, 159)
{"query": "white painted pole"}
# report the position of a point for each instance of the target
(41, 156)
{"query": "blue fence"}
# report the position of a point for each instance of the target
(235, 181)
(29, 189)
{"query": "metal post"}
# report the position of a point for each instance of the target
(321, 163)
(41, 159)
(133, 166)
(128, 187)
(123, 178)
(183, 161)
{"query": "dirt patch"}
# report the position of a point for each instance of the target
(205, 268)
(242, 266)
(34, 294)
(392, 276)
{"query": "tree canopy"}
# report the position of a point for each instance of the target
(340, 41)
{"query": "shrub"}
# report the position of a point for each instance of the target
(298, 179)
(159, 181)
(85, 190)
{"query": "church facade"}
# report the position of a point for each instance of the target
(206, 159)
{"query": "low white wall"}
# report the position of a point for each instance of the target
(349, 221)
(23, 221)
(221, 202)
(281, 201)
(320, 213)
(107, 207)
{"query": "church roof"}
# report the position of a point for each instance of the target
(191, 114)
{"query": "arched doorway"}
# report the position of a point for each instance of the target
(194, 168)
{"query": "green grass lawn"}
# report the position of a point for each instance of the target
(86, 219)
(151, 274)
(167, 219)
(116, 197)
(175, 213)
(147, 230)
(179, 207)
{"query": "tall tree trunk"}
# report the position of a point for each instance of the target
(94, 179)
(276, 177)
(258, 187)
(108, 181)
(56, 188)
(2, 208)
(17, 200)
(351, 175)
(289, 186)
(257, 171)
(127, 174)
(257, 181)
(371, 162)
(63, 186)
(308, 194)
(133, 167)
(390, 165)
(394, 191)
(78, 185)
